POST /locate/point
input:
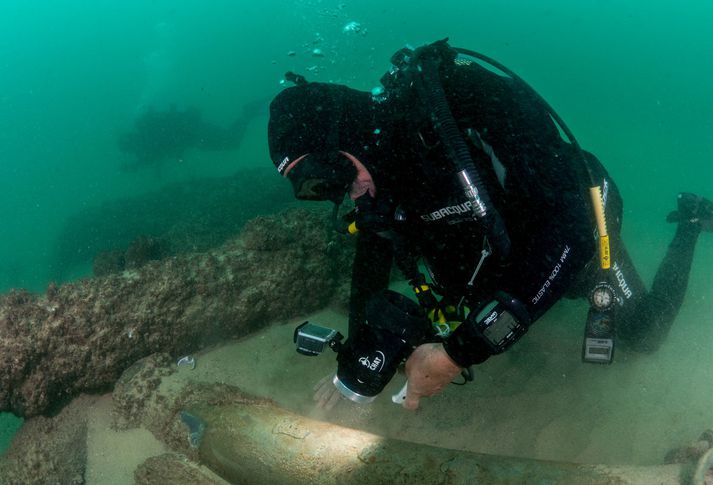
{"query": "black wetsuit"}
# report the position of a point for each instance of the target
(537, 181)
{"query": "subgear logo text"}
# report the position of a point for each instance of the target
(282, 164)
(463, 208)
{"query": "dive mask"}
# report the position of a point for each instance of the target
(321, 176)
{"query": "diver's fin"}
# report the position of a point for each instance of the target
(694, 209)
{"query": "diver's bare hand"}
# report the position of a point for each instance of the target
(429, 369)
(325, 393)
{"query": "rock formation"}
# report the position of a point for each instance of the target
(80, 337)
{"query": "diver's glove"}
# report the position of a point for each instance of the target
(373, 215)
(693, 209)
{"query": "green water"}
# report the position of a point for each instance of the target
(632, 80)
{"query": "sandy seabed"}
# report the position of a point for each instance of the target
(535, 401)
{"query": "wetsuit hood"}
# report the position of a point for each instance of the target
(309, 125)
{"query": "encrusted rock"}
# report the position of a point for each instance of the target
(176, 470)
(136, 386)
(108, 262)
(81, 336)
(49, 450)
(141, 251)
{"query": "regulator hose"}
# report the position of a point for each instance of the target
(541, 101)
(430, 89)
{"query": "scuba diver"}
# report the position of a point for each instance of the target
(163, 135)
(458, 166)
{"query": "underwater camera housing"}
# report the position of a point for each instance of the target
(368, 360)
(311, 339)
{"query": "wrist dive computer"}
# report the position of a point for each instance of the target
(488, 331)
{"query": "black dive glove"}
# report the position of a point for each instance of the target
(373, 215)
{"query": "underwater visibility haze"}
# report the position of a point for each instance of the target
(133, 132)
